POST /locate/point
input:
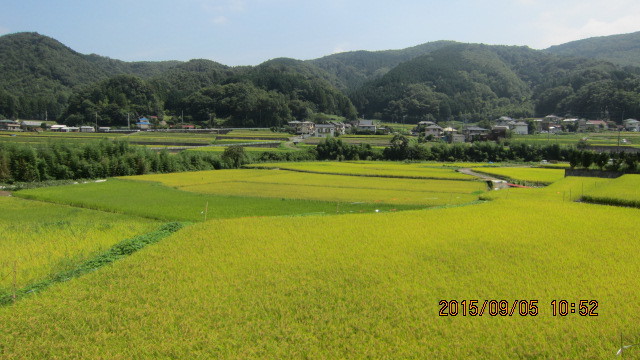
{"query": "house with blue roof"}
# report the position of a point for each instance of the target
(143, 123)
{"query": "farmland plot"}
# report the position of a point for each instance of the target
(624, 191)
(345, 286)
(523, 174)
(310, 186)
(39, 239)
(352, 287)
(373, 168)
(156, 201)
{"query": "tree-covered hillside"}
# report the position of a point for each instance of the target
(40, 77)
(623, 49)
(444, 80)
(354, 68)
(481, 82)
(38, 73)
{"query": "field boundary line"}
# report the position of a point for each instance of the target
(608, 201)
(361, 175)
(512, 180)
(119, 251)
(333, 187)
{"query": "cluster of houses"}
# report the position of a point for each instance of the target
(555, 124)
(548, 124)
(331, 128)
(33, 125)
(451, 135)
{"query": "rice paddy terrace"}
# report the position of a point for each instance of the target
(322, 260)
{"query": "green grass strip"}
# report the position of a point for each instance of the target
(115, 253)
(601, 200)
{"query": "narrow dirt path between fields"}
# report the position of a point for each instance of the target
(5, 193)
(495, 183)
(468, 171)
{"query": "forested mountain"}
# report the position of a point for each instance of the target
(472, 82)
(441, 81)
(41, 77)
(309, 89)
(354, 68)
(623, 49)
(37, 74)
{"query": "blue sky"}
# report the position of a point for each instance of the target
(248, 32)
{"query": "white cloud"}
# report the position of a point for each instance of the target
(527, 2)
(219, 6)
(561, 22)
(340, 48)
(221, 9)
(220, 20)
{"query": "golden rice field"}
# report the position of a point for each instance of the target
(355, 285)
(312, 186)
(624, 190)
(372, 168)
(525, 174)
(565, 190)
(38, 239)
(352, 286)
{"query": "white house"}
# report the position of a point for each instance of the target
(324, 130)
(504, 121)
(367, 125)
(521, 128)
(341, 128)
(631, 125)
(87, 129)
(302, 127)
(433, 130)
(59, 128)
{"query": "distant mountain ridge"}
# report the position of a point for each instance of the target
(440, 80)
(623, 49)
(354, 68)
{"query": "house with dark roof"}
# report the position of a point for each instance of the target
(9, 125)
(367, 125)
(475, 133)
(595, 125)
(31, 124)
(520, 128)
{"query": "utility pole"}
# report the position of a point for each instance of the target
(128, 123)
(182, 116)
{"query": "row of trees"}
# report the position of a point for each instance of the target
(402, 149)
(62, 161)
(627, 162)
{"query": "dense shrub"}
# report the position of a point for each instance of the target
(61, 161)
